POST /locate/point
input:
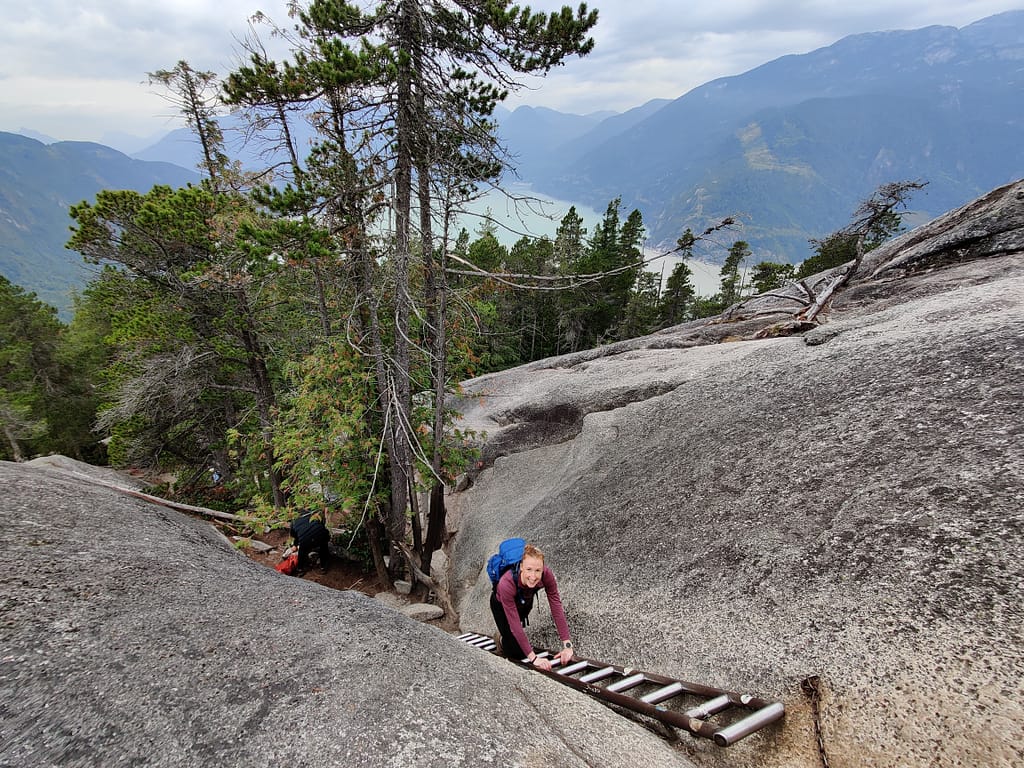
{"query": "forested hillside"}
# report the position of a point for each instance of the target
(38, 185)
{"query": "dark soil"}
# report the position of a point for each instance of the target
(341, 573)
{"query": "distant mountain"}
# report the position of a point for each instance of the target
(535, 133)
(182, 148)
(36, 135)
(38, 185)
(792, 146)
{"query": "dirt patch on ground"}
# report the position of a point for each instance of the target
(340, 574)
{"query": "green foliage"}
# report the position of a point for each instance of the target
(46, 399)
(830, 252)
(875, 221)
(28, 368)
(188, 303)
(641, 314)
(591, 314)
(732, 276)
(679, 296)
(327, 436)
(769, 276)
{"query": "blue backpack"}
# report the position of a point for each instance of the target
(510, 554)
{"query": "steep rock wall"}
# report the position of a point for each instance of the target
(842, 504)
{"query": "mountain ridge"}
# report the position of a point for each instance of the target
(978, 67)
(788, 149)
(38, 185)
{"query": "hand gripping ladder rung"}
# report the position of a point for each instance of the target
(722, 716)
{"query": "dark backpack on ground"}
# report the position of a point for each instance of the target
(508, 557)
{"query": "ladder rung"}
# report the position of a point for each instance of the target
(662, 693)
(749, 724)
(600, 674)
(626, 683)
(572, 669)
(710, 707)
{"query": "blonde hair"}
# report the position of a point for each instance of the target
(531, 551)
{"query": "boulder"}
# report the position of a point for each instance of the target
(131, 634)
(423, 611)
(829, 513)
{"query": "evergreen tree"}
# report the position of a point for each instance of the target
(612, 258)
(677, 300)
(875, 221)
(769, 276)
(419, 80)
(679, 294)
(732, 285)
(189, 308)
(640, 316)
(29, 370)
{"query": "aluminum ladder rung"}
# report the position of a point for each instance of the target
(752, 722)
(572, 669)
(710, 707)
(626, 683)
(599, 674)
(655, 697)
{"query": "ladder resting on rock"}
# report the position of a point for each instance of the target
(724, 717)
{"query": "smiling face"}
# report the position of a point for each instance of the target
(530, 571)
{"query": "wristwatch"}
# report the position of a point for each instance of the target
(567, 643)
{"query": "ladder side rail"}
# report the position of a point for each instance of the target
(736, 699)
(679, 720)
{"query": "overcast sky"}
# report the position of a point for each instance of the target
(76, 69)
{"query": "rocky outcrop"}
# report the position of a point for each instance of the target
(131, 634)
(758, 502)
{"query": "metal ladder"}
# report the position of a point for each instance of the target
(724, 717)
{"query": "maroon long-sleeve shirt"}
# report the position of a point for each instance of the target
(506, 593)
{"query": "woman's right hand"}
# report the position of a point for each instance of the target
(541, 663)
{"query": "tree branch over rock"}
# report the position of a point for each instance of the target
(873, 221)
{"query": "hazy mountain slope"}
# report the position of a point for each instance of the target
(38, 184)
(541, 138)
(796, 143)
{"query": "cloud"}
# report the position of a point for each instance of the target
(68, 67)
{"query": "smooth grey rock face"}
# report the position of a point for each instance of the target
(133, 635)
(845, 504)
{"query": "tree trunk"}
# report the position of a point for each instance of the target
(12, 441)
(373, 531)
(400, 392)
(265, 402)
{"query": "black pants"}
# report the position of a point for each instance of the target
(509, 645)
(317, 541)
(309, 535)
